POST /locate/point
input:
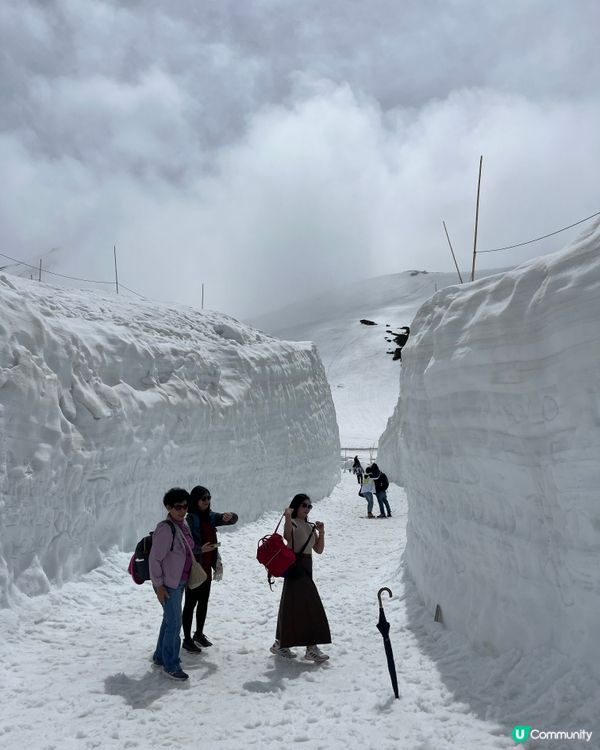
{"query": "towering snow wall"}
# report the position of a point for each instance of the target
(496, 439)
(105, 403)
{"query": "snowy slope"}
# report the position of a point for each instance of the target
(363, 378)
(498, 431)
(106, 402)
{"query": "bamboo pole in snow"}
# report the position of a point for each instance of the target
(452, 251)
(476, 220)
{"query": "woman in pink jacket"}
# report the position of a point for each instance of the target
(170, 562)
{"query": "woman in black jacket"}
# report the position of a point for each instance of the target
(202, 522)
(381, 485)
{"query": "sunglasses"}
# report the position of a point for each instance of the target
(180, 506)
(205, 499)
(306, 505)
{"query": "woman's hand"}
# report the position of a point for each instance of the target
(319, 544)
(207, 547)
(288, 512)
(227, 517)
(162, 594)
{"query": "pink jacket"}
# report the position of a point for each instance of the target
(166, 565)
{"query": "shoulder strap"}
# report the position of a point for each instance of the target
(306, 542)
(185, 541)
(172, 525)
(279, 522)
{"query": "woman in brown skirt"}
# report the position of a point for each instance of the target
(302, 620)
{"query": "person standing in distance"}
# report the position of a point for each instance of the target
(367, 490)
(381, 486)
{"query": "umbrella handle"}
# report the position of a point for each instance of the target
(381, 590)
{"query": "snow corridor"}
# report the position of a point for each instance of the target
(77, 660)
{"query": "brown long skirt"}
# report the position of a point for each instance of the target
(302, 620)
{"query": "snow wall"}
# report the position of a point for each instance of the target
(496, 438)
(106, 402)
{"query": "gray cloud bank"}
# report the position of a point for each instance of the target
(271, 149)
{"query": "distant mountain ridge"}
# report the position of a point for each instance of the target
(343, 299)
(364, 381)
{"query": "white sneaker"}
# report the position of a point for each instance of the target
(314, 653)
(278, 650)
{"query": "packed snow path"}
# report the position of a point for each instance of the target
(76, 662)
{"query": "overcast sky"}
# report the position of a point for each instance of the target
(273, 148)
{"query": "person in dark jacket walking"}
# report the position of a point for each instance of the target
(202, 522)
(381, 485)
(357, 469)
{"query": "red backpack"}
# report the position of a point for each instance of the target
(273, 553)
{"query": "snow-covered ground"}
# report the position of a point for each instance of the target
(77, 675)
(106, 402)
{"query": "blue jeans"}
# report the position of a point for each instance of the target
(369, 498)
(383, 503)
(169, 642)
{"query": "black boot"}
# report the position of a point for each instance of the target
(189, 645)
(201, 640)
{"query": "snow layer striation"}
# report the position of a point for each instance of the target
(496, 439)
(102, 400)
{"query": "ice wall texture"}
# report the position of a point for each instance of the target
(497, 435)
(105, 403)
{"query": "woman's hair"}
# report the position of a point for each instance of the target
(197, 493)
(175, 495)
(297, 501)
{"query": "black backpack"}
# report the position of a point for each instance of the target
(384, 481)
(139, 566)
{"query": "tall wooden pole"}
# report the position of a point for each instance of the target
(476, 220)
(40, 271)
(116, 270)
(202, 307)
(452, 251)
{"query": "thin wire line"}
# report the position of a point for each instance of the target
(64, 276)
(537, 239)
(19, 262)
(53, 273)
(132, 291)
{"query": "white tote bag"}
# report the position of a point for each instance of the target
(197, 575)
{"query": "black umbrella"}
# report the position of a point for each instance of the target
(384, 628)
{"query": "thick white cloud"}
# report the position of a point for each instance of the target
(271, 148)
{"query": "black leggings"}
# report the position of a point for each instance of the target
(198, 596)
